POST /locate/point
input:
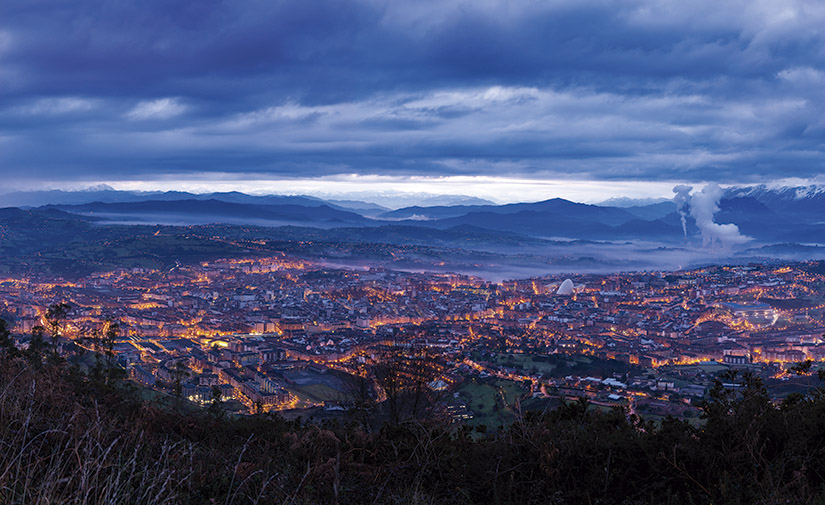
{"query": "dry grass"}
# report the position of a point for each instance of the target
(55, 450)
(67, 439)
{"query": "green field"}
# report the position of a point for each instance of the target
(493, 402)
(316, 393)
(556, 365)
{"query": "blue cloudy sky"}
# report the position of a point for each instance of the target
(468, 95)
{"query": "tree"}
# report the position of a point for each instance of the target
(802, 368)
(804, 371)
(111, 331)
(5, 335)
(55, 318)
(37, 342)
(405, 373)
(103, 341)
(360, 394)
(179, 372)
(215, 404)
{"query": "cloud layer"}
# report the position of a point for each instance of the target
(638, 90)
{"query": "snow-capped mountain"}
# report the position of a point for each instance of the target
(802, 201)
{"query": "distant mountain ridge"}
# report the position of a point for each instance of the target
(784, 223)
(217, 211)
(107, 194)
(767, 214)
(60, 197)
(556, 205)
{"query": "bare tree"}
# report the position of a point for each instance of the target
(55, 319)
(407, 375)
(179, 373)
(361, 395)
(111, 331)
(5, 335)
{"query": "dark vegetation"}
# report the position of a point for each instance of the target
(58, 243)
(72, 437)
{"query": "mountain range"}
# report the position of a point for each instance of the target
(792, 214)
(771, 223)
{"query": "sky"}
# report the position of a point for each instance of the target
(499, 99)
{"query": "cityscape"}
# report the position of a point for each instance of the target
(280, 333)
(374, 252)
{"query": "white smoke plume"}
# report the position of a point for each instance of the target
(682, 201)
(703, 206)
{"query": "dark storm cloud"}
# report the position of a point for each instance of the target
(608, 90)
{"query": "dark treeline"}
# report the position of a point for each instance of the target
(72, 437)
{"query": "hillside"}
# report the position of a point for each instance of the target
(68, 438)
